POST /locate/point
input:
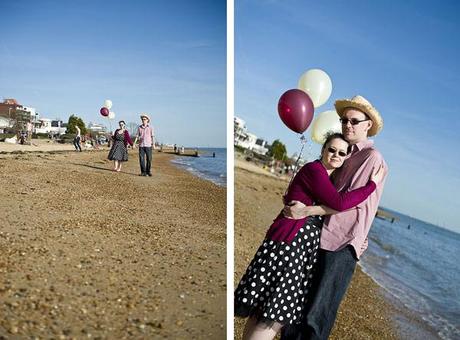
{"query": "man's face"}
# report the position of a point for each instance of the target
(358, 132)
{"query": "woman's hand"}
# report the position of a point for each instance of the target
(295, 210)
(377, 175)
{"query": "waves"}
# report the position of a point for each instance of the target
(210, 168)
(416, 266)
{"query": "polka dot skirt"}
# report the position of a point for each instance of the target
(277, 280)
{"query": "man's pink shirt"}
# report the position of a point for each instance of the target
(146, 136)
(351, 227)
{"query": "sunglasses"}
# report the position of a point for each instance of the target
(333, 150)
(353, 121)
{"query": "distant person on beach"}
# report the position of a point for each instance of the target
(146, 144)
(344, 234)
(77, 139)
(273, 291)
(119, 151)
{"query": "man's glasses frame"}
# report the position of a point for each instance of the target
(353, 121)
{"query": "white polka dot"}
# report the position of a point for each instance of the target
(262, 269)
(281, 318)
(245, 300)
(253, 293)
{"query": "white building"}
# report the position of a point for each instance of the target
(248, 140)
(5, 123)
(50, 126)
(97, 128)
(261, 146)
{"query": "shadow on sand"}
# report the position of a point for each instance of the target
(101, 168)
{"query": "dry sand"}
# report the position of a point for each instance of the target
(89, 253)
(364, 313)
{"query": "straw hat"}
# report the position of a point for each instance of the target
(360, 103)
(146, 116)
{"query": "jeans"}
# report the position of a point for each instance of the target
(76, 143)
(331, 279)
(145, 159)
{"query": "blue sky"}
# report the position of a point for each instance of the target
(166, 58)
(403, 56)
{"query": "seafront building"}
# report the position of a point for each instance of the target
(247, 140)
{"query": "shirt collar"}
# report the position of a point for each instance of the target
(362, 145)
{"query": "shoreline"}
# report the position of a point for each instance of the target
(88, 252)
(367, 304)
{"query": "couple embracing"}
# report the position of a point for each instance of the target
(300, 273)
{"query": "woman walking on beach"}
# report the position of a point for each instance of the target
(119, 150)
(272, 292)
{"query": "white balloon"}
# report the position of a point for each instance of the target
(324, 123)
(108, 104)
(111, 115)
(317, 84)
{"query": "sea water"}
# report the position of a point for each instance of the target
(419, 264)
(206, 166)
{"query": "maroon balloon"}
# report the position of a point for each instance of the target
(104, 111)
(296, 110)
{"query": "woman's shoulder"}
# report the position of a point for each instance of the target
(313, 166)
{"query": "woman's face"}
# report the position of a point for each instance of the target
(334, 153)
(121, 124)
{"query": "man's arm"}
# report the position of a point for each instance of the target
(135, 139)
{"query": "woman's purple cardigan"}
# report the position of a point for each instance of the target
(127, 139)
(311, 185)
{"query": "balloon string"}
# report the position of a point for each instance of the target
(303, 141)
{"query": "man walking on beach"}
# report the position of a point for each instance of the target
(344, 234)
(146, 144)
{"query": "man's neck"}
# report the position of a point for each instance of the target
(359, 141)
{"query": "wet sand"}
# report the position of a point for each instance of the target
(90, 253)
(367, 312)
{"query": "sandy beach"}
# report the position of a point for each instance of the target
(367, 312)
(89, 253)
